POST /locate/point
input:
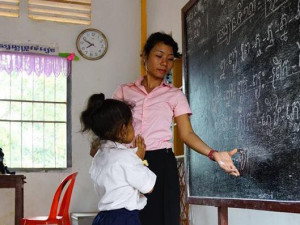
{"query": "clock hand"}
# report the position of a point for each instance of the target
(87, 41)
(90, 45)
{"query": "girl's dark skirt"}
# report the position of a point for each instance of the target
(117, 217)
(163, 203)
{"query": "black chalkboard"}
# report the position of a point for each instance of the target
(241, 63)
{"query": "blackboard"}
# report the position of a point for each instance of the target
(241, 61)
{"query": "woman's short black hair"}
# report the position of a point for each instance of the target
(158, 37)
(105, 117)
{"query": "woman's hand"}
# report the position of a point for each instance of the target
(141, 147)
(225, 162)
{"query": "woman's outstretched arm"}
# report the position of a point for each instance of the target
(188, 136)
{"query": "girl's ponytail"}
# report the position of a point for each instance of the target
(96, 101)
(105, 117)
(94, 104)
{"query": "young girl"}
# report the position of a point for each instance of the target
(118, 172)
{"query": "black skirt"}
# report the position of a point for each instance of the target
(163, 203)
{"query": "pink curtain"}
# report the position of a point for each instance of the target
(34, 63)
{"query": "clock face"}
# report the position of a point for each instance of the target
(91, 44)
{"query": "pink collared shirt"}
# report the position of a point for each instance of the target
(153, 112)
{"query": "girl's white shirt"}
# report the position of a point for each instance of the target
(120, 177)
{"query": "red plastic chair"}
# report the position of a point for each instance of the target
(60, 217)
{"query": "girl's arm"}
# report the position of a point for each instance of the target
(188, 136)
(141, 147)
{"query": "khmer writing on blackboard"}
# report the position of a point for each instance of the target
(242, 73)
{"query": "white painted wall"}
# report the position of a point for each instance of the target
(120, 22)
(165, 15)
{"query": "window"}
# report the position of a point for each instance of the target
(64, 11)
(34, 111)
(9, 8)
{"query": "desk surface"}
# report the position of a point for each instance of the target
(7, 180)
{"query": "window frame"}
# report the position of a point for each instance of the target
(68, 131)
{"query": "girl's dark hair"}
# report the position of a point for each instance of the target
(158, 37)
(105, 117)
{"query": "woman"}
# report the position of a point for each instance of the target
(155, 104)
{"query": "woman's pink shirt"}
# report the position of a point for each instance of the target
(153, 112)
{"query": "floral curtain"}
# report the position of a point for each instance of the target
(34, 63)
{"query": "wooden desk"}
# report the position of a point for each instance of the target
(17, 182)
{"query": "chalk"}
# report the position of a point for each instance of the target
(145, 163)
(221, 163)
(240, 150)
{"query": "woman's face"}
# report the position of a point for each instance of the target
(160, 61)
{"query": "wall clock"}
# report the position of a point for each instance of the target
(91, 44)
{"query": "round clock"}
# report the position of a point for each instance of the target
(91, 44)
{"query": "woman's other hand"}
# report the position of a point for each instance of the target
(141, 147)
(225, 162)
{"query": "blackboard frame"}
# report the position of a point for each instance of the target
(272, 205)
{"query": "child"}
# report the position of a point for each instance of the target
(117, 171)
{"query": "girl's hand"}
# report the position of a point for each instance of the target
(225, 162)
(141, 147)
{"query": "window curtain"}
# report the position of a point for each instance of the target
(38, 64)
